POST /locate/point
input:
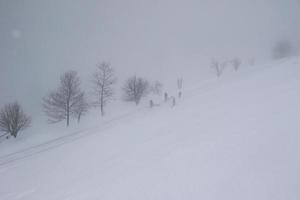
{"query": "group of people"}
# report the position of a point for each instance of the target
(166, 99)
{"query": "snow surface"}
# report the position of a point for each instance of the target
(236, 137)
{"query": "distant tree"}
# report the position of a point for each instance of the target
(282, 49)
(156, 88)
(81, 107)
(179, 86)
(135, 88)
(13, 119)
(63, 103)
(179, 83)
(103, 81)
(236, 62)
(218, 67)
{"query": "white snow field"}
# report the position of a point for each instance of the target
(232, 138)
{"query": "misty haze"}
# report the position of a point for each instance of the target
(157, 99)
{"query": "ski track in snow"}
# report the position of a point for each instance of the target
(46, 146)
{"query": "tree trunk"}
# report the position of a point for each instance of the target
(68, 120)
(102, 106)
(101, 101)
(68, 117)
(68, 111)
(78, 119)
(102, 109)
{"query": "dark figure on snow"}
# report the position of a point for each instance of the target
(179, 94)
(173, 101)
(151, 104)
(166, 97)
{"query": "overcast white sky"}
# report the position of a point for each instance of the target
(40, 39)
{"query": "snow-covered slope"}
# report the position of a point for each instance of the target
(232, 138)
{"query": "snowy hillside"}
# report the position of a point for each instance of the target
(231, 138)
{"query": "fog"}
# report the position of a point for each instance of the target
(158, 39)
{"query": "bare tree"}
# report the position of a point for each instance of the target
(179, 86)
(282, 49)
(13, 119)
(218, 67)
(103, 81)
(236, 62)
(81, 107)
(62, 104)
(135, 88)
(179, 83)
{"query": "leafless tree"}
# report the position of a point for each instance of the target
(282, 49)
(179, 86)
(179, 83)
(62, 104)
(103, 81)
(236, 62)
(218, 67)
(81, 107)
(13, 119)
(135, 88)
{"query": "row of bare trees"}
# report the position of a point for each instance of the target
(281, 49)
(219, 67)
(69, 101)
